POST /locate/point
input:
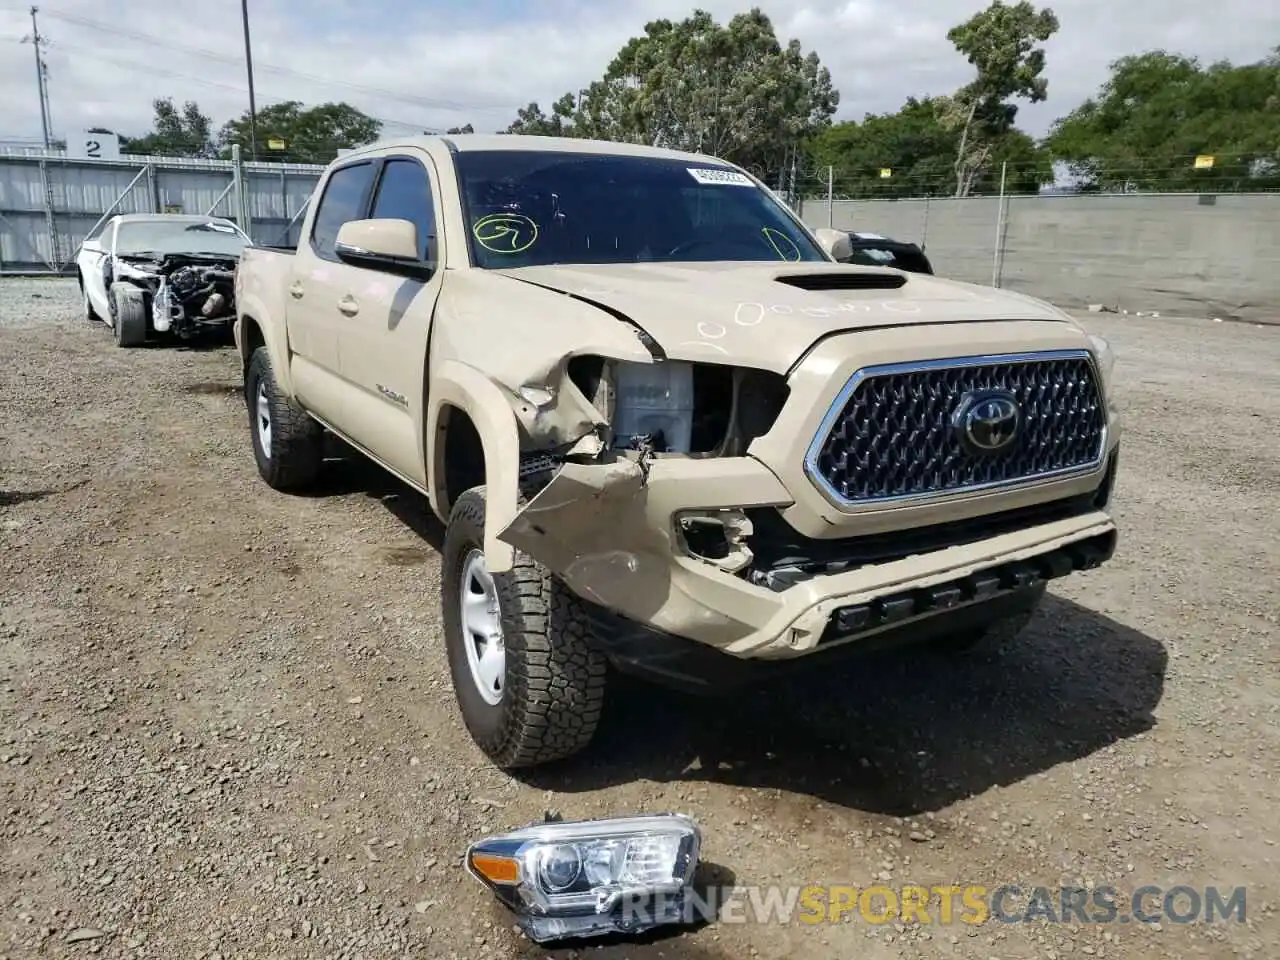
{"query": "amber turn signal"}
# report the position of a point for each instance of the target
(503, 870)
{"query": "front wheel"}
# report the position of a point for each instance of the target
(129, 315)
(528, 683)
(287, 444)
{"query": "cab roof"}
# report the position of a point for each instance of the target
(469, 142)
(168, 217)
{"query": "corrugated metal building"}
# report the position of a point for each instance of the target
(49, 202)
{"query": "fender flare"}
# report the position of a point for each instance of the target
(274, 336)
(462, 386)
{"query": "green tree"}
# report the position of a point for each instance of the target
(468, 128)
(175, 133)
(310, 134)
(531, 121)
(1000, 43)
(918, 147)
(1158, 111)
(733, 91)
(912, 144)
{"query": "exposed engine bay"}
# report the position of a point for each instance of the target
(188, 291)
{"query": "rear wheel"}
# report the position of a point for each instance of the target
(528, 682)
(129, 320)
(288, 445)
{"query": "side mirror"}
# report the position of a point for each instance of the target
(386, 244)
(835, 242)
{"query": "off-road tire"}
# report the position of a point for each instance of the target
(555, 681)
(129, 315)
(992, 636)
(297, 441)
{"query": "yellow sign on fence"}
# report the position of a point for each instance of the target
(885, 173)
(275, 144)
(1204, 162)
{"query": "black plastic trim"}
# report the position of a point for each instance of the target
(848, 622)
(902, 619)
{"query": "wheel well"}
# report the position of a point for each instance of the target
(251, 338)
(463, 454)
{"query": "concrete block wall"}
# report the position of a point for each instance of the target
(1181, 254)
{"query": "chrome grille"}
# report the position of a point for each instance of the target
(893, 432)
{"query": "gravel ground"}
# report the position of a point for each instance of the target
(228, 729)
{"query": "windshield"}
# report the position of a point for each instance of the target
(530, 208)
(179, 236)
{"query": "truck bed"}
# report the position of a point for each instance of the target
(262, 281)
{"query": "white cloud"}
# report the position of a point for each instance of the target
(478, 65)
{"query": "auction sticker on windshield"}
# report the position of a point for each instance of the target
(714, 177)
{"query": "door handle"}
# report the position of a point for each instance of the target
(348, 306)
(296, 291)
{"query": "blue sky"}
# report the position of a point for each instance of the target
(441, 64)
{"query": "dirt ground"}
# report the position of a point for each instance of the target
(228, 732)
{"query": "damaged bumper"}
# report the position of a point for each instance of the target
(621, 535)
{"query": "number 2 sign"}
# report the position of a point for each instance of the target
(94, 146)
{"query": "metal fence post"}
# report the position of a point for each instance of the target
(1003, 244)
(284, 192)
(997, 250)
(240, 190)
(831, 197)
(153, 187)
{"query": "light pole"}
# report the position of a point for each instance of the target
(248, 63)
(37, 42)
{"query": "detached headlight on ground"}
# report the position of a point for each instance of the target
(591, 877)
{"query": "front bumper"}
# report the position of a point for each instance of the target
(611, 533)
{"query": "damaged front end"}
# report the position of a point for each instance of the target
(188, 293)
(658, 517)
(586, 499)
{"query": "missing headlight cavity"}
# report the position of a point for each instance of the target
(732, 406)
(680, 407)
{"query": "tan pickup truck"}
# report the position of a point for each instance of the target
(667, 431)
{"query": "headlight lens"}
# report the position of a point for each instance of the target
(558, 867)
(591, 877)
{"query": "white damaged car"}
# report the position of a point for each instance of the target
(160, 273)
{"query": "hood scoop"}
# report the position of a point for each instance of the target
(844, 281)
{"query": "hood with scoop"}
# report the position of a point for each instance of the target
(767, 315)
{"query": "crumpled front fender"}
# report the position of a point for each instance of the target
(574, 521)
